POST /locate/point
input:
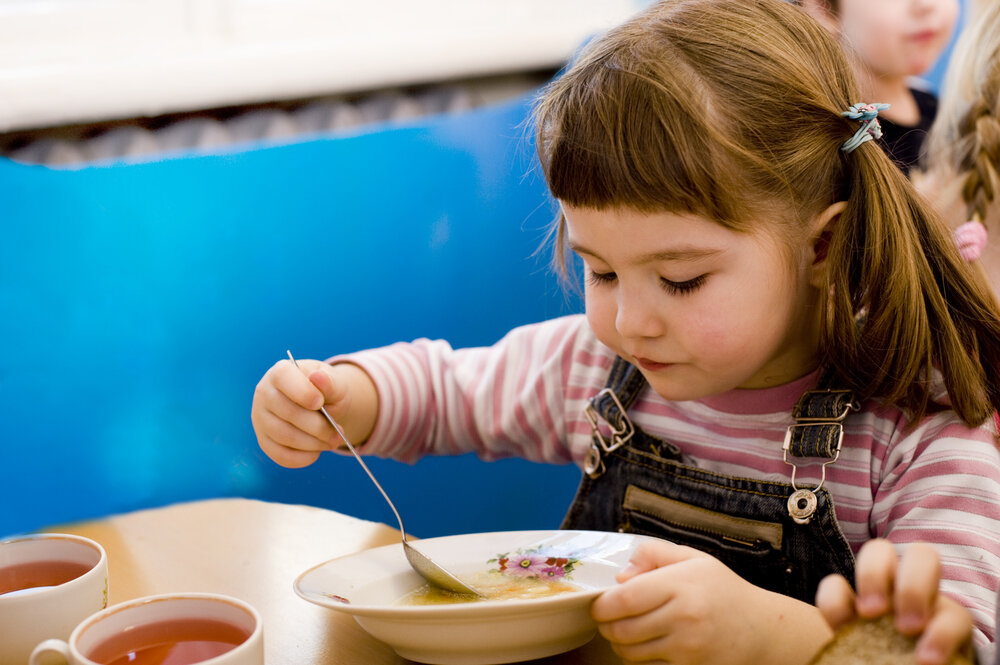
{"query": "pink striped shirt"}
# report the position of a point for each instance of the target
(525, 396)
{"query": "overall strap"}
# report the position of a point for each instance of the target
(819, 423)
(818, 431)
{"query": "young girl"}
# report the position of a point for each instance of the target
(782, 355)
(892, 42)
(959, 173)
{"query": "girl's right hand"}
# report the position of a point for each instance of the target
(286, 402)
(908, 588)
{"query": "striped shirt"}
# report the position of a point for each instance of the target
(938, 482)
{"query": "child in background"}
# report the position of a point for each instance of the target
(766, 336)
(959, 173)
(892, 42)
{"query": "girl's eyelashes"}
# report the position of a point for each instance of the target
(671, 287)
(687, 286)
(598, 278)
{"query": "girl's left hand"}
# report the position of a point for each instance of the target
(675, 604)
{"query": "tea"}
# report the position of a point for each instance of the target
(171, 642)
(39, 574)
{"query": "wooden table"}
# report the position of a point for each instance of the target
(255, 550)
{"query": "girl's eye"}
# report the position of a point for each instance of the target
(600, 277)
(680, 288)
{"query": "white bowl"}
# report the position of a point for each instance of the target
(369, 584)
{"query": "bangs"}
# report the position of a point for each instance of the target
(609, 137)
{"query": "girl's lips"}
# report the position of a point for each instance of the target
(650, 365)
(925, 36)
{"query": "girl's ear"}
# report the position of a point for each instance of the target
(822, 11)
(820, 231)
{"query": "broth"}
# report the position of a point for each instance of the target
(494, 586)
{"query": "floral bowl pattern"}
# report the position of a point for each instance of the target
(536, 562)
(369, 585)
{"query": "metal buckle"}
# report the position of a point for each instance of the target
(803, 502)
(619, 437)
(594, 464)
(840, 441)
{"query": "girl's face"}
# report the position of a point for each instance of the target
(697, 308)
(898, 38)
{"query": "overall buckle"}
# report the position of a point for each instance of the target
(599, 445)
(818, 431)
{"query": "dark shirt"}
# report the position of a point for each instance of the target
(903, 142)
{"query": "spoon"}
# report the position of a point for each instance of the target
(420, 562)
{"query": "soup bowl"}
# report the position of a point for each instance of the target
(371, 586)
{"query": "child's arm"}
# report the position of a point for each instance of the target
(909, 589)
(678, 605)
(286, 402)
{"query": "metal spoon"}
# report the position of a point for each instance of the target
(420, 562)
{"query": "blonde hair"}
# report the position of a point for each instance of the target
(731, 109)
(963, 145)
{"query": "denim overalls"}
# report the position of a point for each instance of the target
(774, 535)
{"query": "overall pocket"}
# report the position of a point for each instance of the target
(750, 548)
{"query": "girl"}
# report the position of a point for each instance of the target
(892, 42)
(959, 173)
(769, 372)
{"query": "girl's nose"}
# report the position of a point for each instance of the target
(636, 316)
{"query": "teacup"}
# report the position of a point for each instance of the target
(49, 583)
(176, 628)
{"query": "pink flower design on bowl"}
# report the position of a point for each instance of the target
(534, 563)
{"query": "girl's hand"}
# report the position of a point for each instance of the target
(675, 604)
(909, 589)
(285, 410)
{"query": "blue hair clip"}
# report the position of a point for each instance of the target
(867, 115)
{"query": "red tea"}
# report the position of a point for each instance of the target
(172, 642)
(38, 574)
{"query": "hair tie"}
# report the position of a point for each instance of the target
(867, 115)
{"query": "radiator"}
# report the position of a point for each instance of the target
(236, 128)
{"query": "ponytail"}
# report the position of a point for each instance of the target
(904, 303)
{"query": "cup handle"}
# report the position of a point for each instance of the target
(50, 652)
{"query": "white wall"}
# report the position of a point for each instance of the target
(73, 61)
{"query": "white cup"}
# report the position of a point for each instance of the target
(49, 583)
(203, 628)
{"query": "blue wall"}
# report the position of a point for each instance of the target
(141, 303)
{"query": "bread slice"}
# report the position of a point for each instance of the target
(872, 642)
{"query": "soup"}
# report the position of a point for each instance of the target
(494, 586)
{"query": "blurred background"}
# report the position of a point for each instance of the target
(192, 187)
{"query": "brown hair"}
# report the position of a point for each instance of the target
(964, 143)
(731, 109)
